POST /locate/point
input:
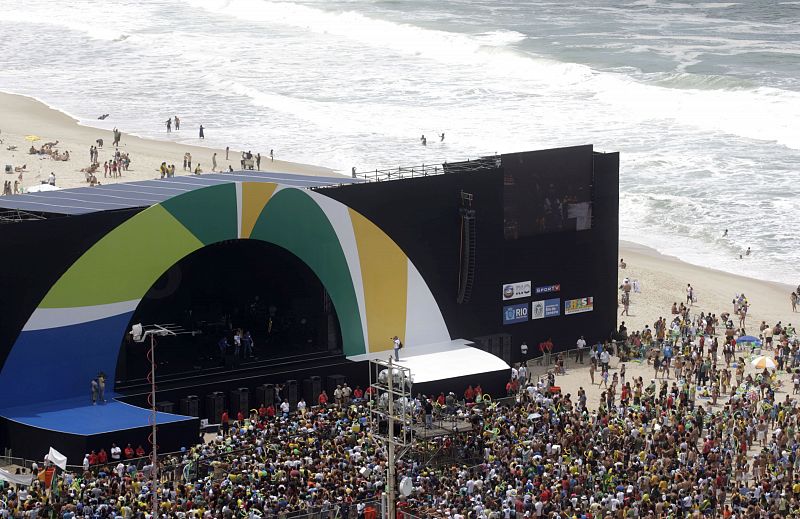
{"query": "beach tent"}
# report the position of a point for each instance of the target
(763, 362)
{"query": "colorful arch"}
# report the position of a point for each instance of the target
(76, 329)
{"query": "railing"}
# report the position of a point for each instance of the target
(381, 175)
(371, 509)
(426, 170)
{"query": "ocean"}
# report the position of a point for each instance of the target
(702, 99)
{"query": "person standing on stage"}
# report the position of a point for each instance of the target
(247, 342)
(101, 387)
(523, 349)
(95, 390)
(398, 344)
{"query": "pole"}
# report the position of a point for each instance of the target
(154, 487)
(390, 483)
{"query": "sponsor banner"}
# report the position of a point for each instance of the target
(513, 314)
(545, 308)
(547, 289)
(577, 306)
(516, 290)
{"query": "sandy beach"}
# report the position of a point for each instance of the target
(663, 281)
(24, 116)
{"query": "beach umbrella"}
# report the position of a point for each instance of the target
(748, 338)
(763, 362)
(32, 138)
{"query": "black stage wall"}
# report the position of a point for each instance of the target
(37, 253)
(422, 216)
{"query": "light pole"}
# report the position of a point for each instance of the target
(391, 382)
(140, 334)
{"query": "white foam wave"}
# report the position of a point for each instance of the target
(74, 16)
(449, 47)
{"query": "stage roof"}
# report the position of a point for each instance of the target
(144, 193)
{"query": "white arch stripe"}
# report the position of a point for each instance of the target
(46, 318)
(339, 216)
(239, 210)
(424, 321)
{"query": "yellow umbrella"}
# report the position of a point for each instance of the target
(32, 138)
(763, 362)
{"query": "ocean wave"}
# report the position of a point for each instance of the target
(684, 80)
(443, 46)
(122, 19)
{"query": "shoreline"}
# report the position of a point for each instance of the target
(627, 246)
(24, 115)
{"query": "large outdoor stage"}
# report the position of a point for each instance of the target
(285, 285)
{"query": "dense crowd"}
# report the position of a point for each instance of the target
(702, 438)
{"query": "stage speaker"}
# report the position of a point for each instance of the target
(165, 406)
(265, 395)
(312, 387)
(215, 404)
(506, 349)
(496, 348)
(482, 342)
(240, 401)
(331, 382)
(291, 393)
(190, 405)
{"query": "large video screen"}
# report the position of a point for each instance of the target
(546, 192)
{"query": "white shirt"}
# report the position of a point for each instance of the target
(581, 343)
(285, 407)
(116, 453)
(301, 405)
(523, 348)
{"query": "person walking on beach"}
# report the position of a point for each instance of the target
(689, 293)
(189, 161)
(626, 303)
(177, 123)
(258, 161)
(227, 151)
(794, 298)
(272, 155)
(169, 125)
(202, 134)
(214, 162)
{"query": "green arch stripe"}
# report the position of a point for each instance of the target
(216, 218)
(293, 220)
(125, 263)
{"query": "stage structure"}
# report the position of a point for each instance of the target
(392, 418)
(462, 265)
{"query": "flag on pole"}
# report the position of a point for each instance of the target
(58, 459)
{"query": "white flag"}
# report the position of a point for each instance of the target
(58, 459)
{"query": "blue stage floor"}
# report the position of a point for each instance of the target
(77, 416)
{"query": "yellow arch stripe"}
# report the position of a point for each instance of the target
(384, 271)
(255, 196)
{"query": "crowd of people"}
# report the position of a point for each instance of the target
(704, 437)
